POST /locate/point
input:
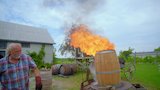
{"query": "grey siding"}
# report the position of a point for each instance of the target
(37, 47)
(12, 32)
(49, 53)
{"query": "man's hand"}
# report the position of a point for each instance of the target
(38, 83)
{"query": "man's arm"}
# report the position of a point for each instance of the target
(36, 72)
(37, 78)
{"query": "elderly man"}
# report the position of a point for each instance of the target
(14, 69)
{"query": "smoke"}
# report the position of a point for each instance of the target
(74, 12)
(77, 10)
(85, 6)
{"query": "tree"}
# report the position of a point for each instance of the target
(126, 54)
(65, 47)
(157, 49)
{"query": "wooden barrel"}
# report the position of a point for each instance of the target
(68, 69)
(46, 80)
(107, 68)
(55, 69)
(73, 67)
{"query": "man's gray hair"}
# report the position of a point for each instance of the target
(11, 46)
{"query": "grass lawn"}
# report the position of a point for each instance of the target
(68, 83)
(148, 75)
(72, 82)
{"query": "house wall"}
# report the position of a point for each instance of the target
(34, 36)
(36, 47)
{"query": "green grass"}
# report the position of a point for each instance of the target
(64, 61)
(72, 82)
(69, 82)
(148, 75)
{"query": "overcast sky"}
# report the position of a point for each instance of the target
(126, 23)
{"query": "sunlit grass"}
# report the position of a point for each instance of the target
(68, 82)
(148, 75)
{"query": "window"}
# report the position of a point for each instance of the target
(3, 45)
(25, 45)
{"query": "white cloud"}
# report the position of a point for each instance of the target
(130, 23)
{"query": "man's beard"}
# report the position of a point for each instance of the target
(16, 56)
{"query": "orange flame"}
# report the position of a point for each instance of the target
(88, 42)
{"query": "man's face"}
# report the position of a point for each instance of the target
(15, 53)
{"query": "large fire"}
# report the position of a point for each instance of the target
(88, 42)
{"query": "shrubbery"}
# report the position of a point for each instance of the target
(39, 58)
(126, 55)
(148, 59)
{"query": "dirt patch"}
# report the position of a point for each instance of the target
(57, 84)
(61, 85)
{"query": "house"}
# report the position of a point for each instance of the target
(144, 54)
(31, 39)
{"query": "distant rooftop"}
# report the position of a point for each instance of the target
(143, 54)
(16, 32)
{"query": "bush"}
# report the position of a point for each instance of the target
(46, 65)
(38, 57)
(148, 59)
(139, 60)
(157, 59)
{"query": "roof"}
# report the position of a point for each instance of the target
(151, 52)
(143, 54)
(16, 32)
